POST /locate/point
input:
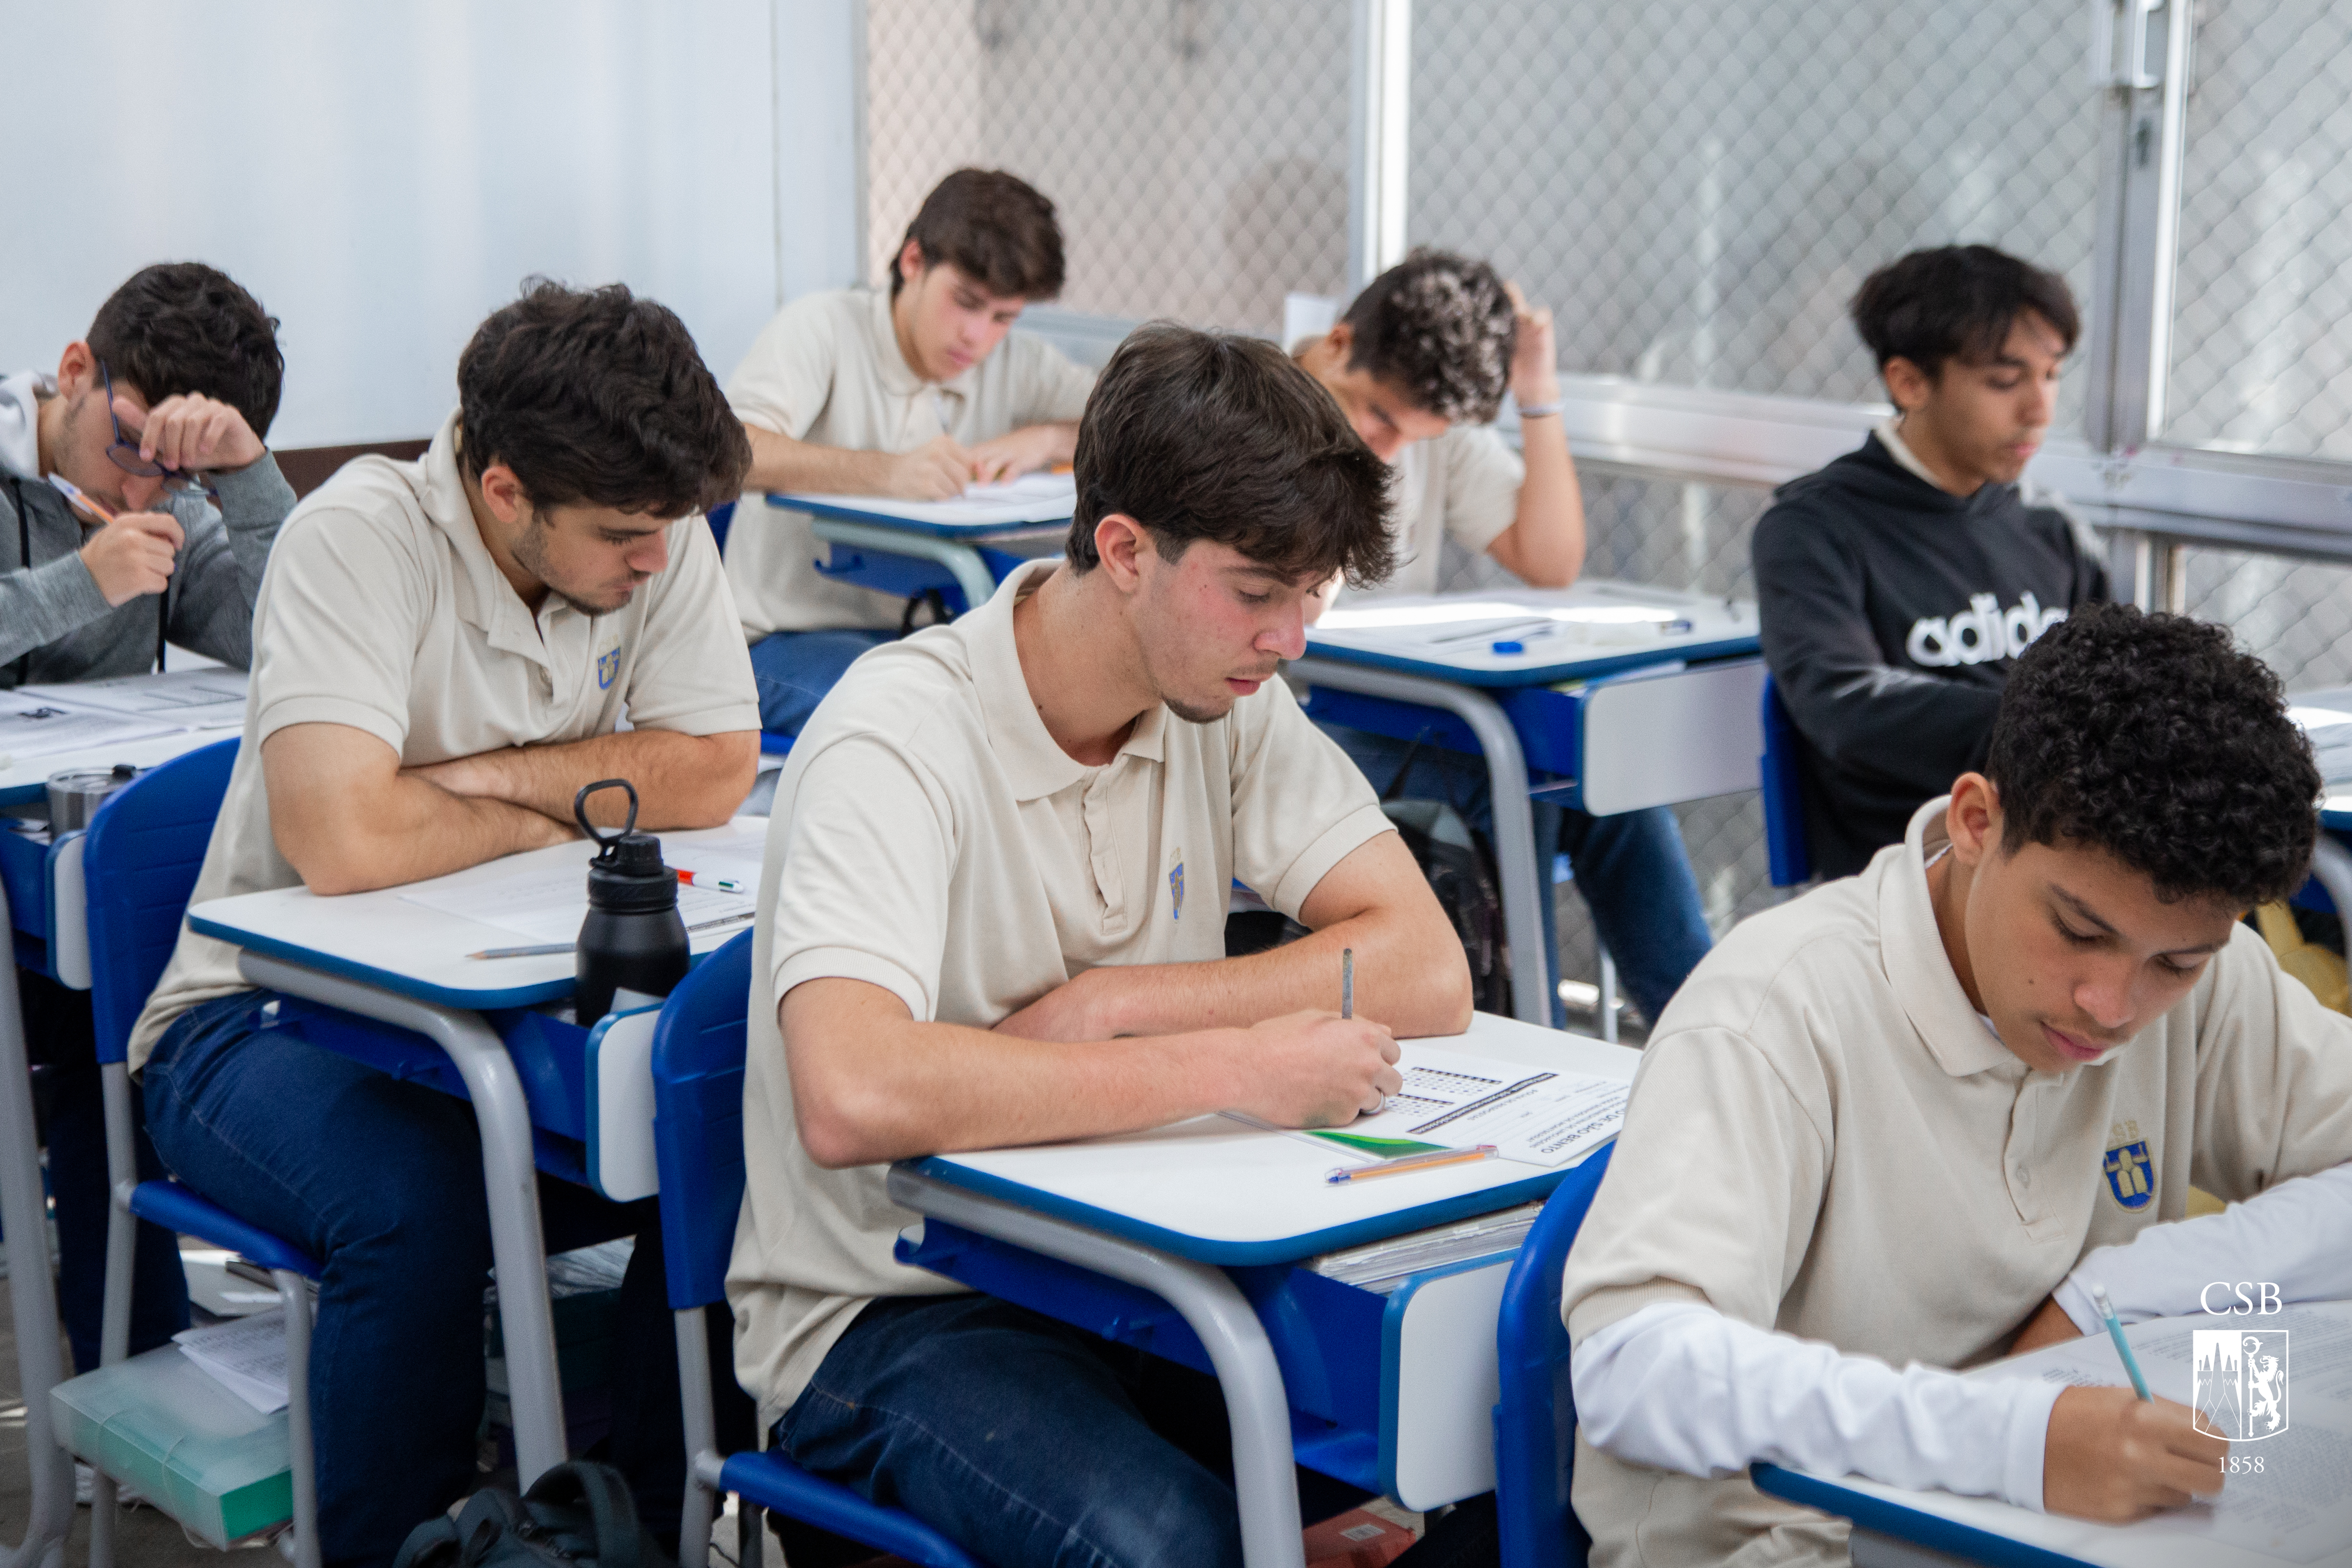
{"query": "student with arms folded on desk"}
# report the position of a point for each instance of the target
(1916, 1111)
(995, 914)
(443, 650)
(1898, 585)
(1420, 363)
(168, 398)
(915, 394)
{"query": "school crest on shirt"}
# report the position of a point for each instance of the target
(2130, 1170)
(1176, 888)
(608, 669)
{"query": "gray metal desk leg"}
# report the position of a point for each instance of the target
(1525, 882)
(40, 1365)
(1265, 1478)
(535, 1390)
(971, 573)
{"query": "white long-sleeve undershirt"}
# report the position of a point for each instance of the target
(1680, 1386)
(2296, 1236)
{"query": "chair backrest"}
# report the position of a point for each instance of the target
(1535, 1417)
(697, 1064)
(1784, 793)
(139, 861)
(721, 519)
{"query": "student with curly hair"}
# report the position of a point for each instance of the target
(1900, 583)
(2025, 1029)
(1420, 363)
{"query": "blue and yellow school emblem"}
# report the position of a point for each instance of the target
(608, 667)
(2131, 1174)
(1176, 891)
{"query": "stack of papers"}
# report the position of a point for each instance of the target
(1031, 499)
(1381, 1266)
(31, 727)
(178, 700)
(245, 1356)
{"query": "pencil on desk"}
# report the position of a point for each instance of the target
(1434, 1160)
(539, 950)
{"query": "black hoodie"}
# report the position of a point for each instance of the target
(1892, 611)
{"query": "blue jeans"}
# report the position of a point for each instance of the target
(381, 1181)
(58, 1035)
(796, 669)
(1029, 1443)
(1632, 869)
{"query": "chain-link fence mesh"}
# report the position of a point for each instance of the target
(1697, 189)
(1197, 148)
(2263, 321)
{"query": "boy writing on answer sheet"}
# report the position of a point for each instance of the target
(913, 393)
(1891, 1122)
(995, 914)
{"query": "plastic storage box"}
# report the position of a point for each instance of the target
(213, 1462)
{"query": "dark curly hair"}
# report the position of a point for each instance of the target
(180, 327)
(1212, 436)
(2149, 736)
(1441, 326)
(596, 396)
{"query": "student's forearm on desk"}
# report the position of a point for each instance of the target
(1411, 973)
(1544, 546)
(871, 1084)
(682, 781)
(348, 821)
(2297, 1236)
(781, 463)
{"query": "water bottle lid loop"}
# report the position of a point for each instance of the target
(579, 815)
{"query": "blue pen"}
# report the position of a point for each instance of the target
(2116, 1332)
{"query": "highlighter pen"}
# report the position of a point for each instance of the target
(1347, 982)
(72, 493)
(2116, 1332)
(1404, 1162)
(705, 880)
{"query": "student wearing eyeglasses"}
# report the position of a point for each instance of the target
(158, 417)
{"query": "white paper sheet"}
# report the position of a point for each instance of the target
(548, 904)
(1453, 1101)
(185, 698)
(1032, 497)
(245, 1356)
(30, 727)
(2298, 1507)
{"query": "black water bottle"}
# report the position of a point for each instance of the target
(633, 939)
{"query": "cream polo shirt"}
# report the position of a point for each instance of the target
(383, 609)
(827, 370)
(1825, 1139)
(1463, 486)
(929, 836)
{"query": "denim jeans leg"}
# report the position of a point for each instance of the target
(794, 670)
(1025, 1441)
(1635, 877)
(381, 1181)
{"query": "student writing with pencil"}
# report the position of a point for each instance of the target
(1908, 1122)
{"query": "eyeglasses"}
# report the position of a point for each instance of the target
(124, 453)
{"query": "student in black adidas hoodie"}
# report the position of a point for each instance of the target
(1900, 583)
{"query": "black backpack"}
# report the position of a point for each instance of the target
(577, 1513)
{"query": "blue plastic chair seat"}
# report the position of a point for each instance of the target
(182, 1209)
(771, 1480)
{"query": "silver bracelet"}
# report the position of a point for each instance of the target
(1539, 410)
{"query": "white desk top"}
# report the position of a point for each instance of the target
(1019, 506)
(1220, 1192)
(387, 938)
(27, 778)
(189, 703)
(1529, 637)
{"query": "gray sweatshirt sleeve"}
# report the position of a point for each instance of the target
(51, 601)
(219, 576)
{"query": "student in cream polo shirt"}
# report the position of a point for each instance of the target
(1420, 363)
(442, 652)
(997, 871)
(1909, 1120)
(913, 393)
